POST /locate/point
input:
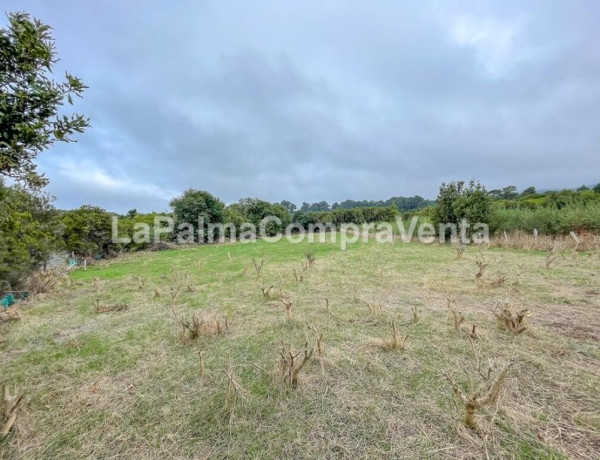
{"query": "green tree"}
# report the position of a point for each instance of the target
(28, 232)
(510, 192)
(255, 210)
(291, 207)
(444, 209)
(457, 201)
(30, 100)
(495, 194)
(197, 204)
(597, 188)
(87, 231)
(233, 216)
(321, 206)
(528, 191)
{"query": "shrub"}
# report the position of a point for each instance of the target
(195, 204)
(456, 202)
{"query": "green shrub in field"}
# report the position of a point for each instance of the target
(195, 204)
(549, 220)
(87, 231)
(349, 216)
(254, 210)
(457, 201)
(28, 232)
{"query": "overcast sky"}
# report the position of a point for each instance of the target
(311, 101)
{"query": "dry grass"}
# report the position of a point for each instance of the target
(510, 320)
(44, 281)
(99, 307)
(288, 308)
(11, 314)
(126, 386)
(521, 240)
(11, 404)
(292, 362)
(395, 343)
(200, 325)
(474, 400)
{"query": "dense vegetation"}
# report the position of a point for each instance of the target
(400, 203)
(552, 213)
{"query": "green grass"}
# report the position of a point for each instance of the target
(125, 384)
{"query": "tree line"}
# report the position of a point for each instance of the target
(400, 203)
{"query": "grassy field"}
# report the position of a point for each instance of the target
(126, 384)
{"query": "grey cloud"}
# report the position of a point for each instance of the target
(310, 101)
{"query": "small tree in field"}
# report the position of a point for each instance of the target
(30, 99)
(194, 204)
(457, 201)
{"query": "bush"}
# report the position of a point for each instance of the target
(456, 202)
(87, 231)
(129, 226)
(549, 220)
(28, 233)
(356, 216)
(195, 204)
(254, 210)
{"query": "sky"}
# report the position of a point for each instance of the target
(330, 100)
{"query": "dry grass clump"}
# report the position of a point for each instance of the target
(319, 340)
(458, 317)
(474, 400)
(99, 307)
(233, 393)
(518, 274)
(42, 281)
(200, 325)
(288, 308)
(299, 273)
(310, 258)
(258, 265)
(481, 265)
(10, 315)
(9, 412)
(271, 291)
(510, 320)
(374, 308)
(266, 291)
(394, 343)
(499, 281)
(141, 282)
(459, 247)
(291, 363)
(415, 314)
(550, 257)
